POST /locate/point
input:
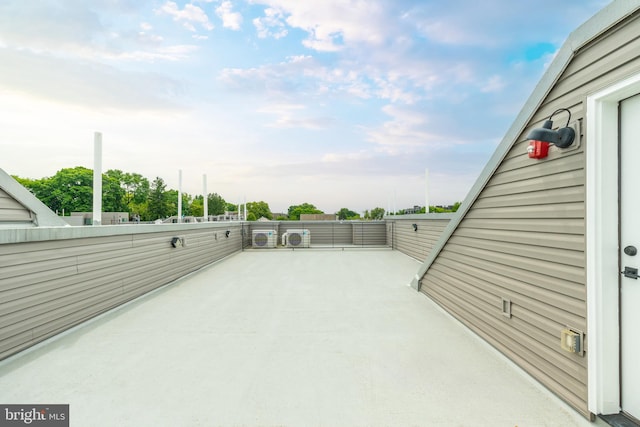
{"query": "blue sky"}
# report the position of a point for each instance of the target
(339, 103)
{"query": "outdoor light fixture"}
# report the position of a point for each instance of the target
(415, 227)
(226, 233)
(542, 138)
(176, 242)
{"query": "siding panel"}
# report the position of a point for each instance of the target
(523, 236)
(12, 211)
(417, 244)
(51, 285)
(369, 234)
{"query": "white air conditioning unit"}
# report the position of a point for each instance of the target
(297, 238)
(264, 239)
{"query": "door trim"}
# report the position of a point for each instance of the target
(602, 247)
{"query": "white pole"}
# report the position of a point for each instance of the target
(97, 178)
(395, 202)
(426, 190)
(205, 201)
(179, 195)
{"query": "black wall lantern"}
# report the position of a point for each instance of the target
(542, 138)
(176, 242)
(415, 227)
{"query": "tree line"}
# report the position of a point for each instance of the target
(71, 190)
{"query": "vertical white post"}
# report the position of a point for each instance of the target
(395, 202)
(97, 178)
(426, 190)
(179, 195)
(205, 202)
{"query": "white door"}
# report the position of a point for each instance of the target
(630, 254)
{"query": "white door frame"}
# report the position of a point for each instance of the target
(602, 247)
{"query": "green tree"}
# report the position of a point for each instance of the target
(456, 206)
(306, 208)
(136, 193)
(259, 209)
(113, 195)
(197, 206)
(216, 205)
(172, 200)
(377, 213)
(345, 213)
(231, 207)
(39, 187)
(141, 209)
(69, 190)
(158, 203)
(135, 186)
(251, 217)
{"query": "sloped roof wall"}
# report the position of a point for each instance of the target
(13, 213)
(20, 208)
(521, 236)
(416, 234)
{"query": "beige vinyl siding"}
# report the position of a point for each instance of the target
(369, 233)
(334, 233)
(11, 211)
(331, 233)
(523, 238)
(416, 244)
(48, 286)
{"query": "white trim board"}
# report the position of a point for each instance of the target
(603, 274)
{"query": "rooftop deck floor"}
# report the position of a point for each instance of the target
(282, 338)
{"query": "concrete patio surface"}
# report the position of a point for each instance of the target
(282, 338)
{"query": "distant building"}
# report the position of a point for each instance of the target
(227, 216)
(318, 217)
(108, 218)
(185, 219)
(414, 210)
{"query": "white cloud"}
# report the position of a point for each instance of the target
(230, 19)
(293, 116)
(407, 130)
(304, 74)
(314, 116)
(330, 24)
(188, 16)
(347, 157)
(493, 84)
(87, 84)
(152, 39)
(271, 25)
(166, 53)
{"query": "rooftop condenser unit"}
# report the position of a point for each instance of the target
(264, 239)
(297, 238)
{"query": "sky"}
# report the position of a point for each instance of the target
(337, 103)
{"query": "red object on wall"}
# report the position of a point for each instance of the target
(538, 149)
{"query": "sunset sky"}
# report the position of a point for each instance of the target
(338, 103)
